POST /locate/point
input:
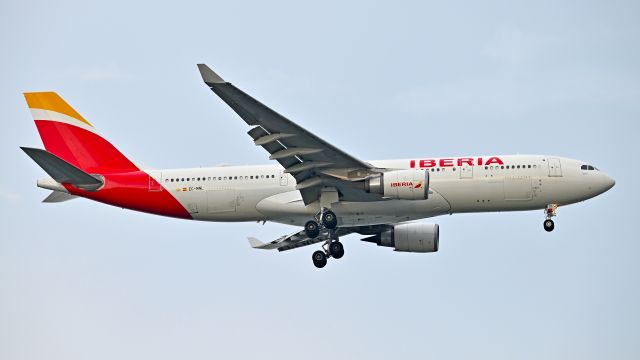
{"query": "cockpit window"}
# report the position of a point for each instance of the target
(588, 167)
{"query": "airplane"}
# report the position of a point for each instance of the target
(315, 185)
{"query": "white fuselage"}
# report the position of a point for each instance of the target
(260, 193)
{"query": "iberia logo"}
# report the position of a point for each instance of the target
(408, 184)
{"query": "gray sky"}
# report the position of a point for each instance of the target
(82, 280)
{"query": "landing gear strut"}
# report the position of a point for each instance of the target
(332, 248)
(550, 212)
(326, 219)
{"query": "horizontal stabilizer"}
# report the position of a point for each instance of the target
(63, 172)
(57, 196)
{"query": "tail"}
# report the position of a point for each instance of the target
(66, 134)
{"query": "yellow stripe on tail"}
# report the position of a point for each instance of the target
(53, 102)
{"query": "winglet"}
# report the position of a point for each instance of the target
(209, 76)
(255, 243)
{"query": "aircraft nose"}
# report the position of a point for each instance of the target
(609, 182)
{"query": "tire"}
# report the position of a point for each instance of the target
(549, 225)
(329, 219)
(312, 229)
(336, 250)
(319, 259)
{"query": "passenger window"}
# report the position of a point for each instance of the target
(529, 166)
(182, 179)
(502, 167)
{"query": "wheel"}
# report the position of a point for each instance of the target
(319, 259)
(549, 225)
(312, 229)
(329, 219)
(336, 250)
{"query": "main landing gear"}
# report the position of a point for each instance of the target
(325, 219)
(332, 248)
(550, 212)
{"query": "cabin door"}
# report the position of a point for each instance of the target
(555, 170)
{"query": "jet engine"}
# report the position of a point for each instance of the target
(412, 237)
(409, 184)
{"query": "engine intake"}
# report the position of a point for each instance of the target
(410, 184)
(413, 237)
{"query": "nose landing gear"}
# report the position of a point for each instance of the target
(550, 212)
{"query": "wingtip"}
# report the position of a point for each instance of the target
(255, 243)
(30, 150)
(209, 76)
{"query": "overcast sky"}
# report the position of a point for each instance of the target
(83, 280)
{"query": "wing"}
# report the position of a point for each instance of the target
(313, 162)
(298, 239)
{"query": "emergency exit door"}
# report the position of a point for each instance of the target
(466, 171)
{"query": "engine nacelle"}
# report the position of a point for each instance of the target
(412, 184)
(412, 237)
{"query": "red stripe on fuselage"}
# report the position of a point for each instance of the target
(125, 184)
(131, 190)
